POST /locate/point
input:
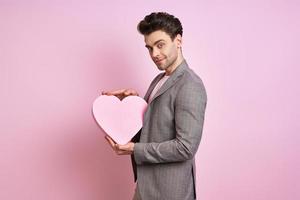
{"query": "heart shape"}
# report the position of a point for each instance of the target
(121, 120)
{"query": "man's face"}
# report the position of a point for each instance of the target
(163, 51)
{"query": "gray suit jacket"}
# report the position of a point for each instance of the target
(163, 158)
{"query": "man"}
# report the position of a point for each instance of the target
(163, 151)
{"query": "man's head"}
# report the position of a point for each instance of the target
(163, 38)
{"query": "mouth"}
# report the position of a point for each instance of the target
(158, 61)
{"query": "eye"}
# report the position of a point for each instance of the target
(160, 45)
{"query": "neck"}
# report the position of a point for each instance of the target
(174, 65)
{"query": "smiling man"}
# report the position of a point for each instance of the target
(163, 151)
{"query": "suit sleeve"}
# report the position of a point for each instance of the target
(189, 113)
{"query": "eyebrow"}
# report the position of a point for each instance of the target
(147, 46)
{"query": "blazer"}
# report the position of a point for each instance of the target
(163, 159)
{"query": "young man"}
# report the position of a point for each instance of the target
(163, 151)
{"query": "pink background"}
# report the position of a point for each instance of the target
(57, 56)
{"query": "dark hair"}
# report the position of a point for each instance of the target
(160, 21)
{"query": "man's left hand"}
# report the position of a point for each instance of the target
(126, 149)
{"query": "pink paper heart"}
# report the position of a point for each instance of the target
(121, 120)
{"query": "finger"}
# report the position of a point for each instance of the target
(123, 152)
(127, 147)
(117, 92)
(122, 147)
(107, 93)
(111, 139)
(127, 93)
(111, 142)
(132, 92)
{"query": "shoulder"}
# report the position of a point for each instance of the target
(191, 83)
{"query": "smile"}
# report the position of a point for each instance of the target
(158, 61)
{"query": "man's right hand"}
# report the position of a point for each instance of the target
(122, 93)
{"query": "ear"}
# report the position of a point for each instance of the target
(178, 40)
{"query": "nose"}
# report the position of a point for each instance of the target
(155, 52)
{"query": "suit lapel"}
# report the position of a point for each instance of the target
(171, 80)
(153, 84)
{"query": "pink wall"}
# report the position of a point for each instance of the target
(55, 58)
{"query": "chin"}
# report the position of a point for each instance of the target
(161, 67)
